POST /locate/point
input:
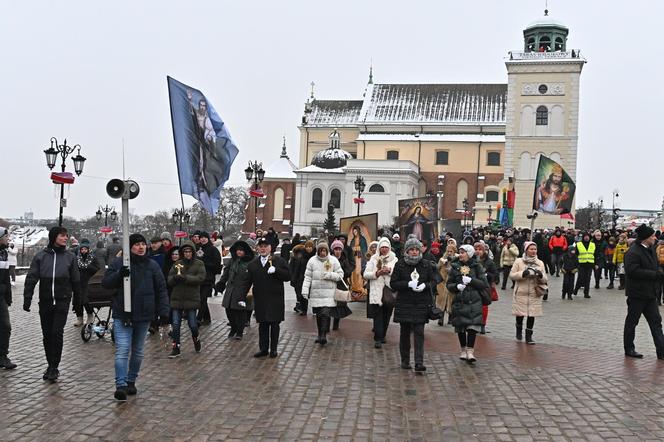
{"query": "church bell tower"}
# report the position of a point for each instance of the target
(542, 115)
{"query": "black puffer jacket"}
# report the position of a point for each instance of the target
(5, 281)
(412, 307)
(148, 289)
(212, 260)
(56, 271)
(235, 279)
(467, 304)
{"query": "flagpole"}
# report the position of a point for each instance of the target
(168, 83)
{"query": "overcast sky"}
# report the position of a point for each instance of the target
(95, 73)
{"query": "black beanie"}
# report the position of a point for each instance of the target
(136, 238)
(54, 232)
(644, 232)
(204, 234)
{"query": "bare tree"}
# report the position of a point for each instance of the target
(233, 201)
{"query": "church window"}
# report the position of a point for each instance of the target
(530, 44)
(491, 196)
(545, 44)
(559, 46)
(542, 116)
(462, 193)
(493, 159)
(335, 198)
(278, 204)
(442, 157)
(376, 188)
(392, 154)
(317, 198)
(542, 89)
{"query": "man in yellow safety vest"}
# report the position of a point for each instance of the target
(586, 253)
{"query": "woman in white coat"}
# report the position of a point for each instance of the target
(320, 280)
(378, 272)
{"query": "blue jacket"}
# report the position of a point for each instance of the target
(148, 289)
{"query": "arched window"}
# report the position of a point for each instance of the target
(530, 44)
(559, 46)
(462, 193)
(317, 198)
(335, 198)
(542, 116)
(392, 154)
(376, 188)
(545, 44)
(278, 212)
(491, 196)
(493, 159)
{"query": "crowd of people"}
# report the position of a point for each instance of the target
(449, 280)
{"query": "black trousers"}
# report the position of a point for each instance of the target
(568, 283)
(598, 274)
(204, 311)
(5, 327)
(381, 321)
(268, 336)
(583, 280)
(417, 330)
(53, 319)
(649, 309)
(237, 318)
(302, 302)
(506, 276)
(467, 338)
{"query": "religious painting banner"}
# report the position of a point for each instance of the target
(419, 216)
(554, 189)
(361, 231)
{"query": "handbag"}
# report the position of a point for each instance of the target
(486, 296)
(341, 293)
(358, 296)
(541, 290)
(389, 296)
(494, 293)
(435, 313)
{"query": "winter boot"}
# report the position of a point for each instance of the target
(325, 328)
(519, 332)
(120, 394)
(6, 363)
(464, 354)
(335, 324)
(79, 321)
(483, 330)
(610, 286)
(197, 344)
(175, 352)
(131, 388)
(529, 337)
(471, 355)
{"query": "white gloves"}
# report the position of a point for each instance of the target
(412, 284)
(466, 280)
(461, 287)
(242, 304)
(419, 288)
(271, 270)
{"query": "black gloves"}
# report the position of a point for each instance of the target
(179, 279)
(538, 274)
(26, 305)
(164, 320)
(124, 271)
(526, 273)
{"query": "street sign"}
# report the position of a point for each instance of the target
(180, 234)
(106, 229)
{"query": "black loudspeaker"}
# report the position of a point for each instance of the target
(132, 188)
(115, 188)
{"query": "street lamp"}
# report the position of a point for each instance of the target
(64, 151)
(255, 171)
(359, 186)
(466, 213)
(180, 216)
(599, 213)
(490, 210)
(105, 210)
(472, 218)
(615, 212)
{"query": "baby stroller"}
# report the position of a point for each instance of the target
(99, 298)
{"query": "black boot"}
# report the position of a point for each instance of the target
(319, 328)
(529, 337)
(519, 332)
(325, 329)
(335, 324)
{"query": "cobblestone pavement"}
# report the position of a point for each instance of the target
(574, 385)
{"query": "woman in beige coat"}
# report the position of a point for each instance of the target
(444, 297)
(531, 283)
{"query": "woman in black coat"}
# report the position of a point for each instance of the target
(467, 281)
(297, 265)
(413, 279)
(491, 273)
(234, 284)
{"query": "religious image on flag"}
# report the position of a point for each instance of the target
(204, 149)
(554, 189)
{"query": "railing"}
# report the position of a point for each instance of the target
(558, 55)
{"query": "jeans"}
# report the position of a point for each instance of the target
(649, 309)
(556, 263)
(53, 319)
(176, 320)
(404, 342)
(5, 327)
(268, 336)
(126, 337)
(381, 321)
(204, 312)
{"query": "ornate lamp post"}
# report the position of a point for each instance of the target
(490, 210)
(63, 150)
(105, 210)
(599, 213)
(359, 186)
(472, 218)
(255, 172)
(180, 216)
(466, 213)
(615, 212)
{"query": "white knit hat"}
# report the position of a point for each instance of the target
(470, 250)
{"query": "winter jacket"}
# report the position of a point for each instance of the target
(558, 244)
(608, 253)
(508, 255)
(320, 281)
(490, 269)
(444, 297)
(212, 260)
(467, 303)
(5, 280)
(12, 252)
(525, 301)
(148, 289)
(234, 282)
(376, 284)
(600, 246)
(268, 289)
(185, 294)
(641, 276)
(570, 263)
(55, 269)
(411, 306)
(619, 253)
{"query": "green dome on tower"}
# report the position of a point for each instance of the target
(545, 35)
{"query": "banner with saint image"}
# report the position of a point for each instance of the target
(554, 189)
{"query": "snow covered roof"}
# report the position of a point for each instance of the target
(469, 138)
(316, 169)
(32, 235)
(434, 104)
(333, 113)
(331, 158)
(546, 22)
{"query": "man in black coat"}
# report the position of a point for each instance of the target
(267, 274)
(642, 276)
(5, 301)
(211, 257)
